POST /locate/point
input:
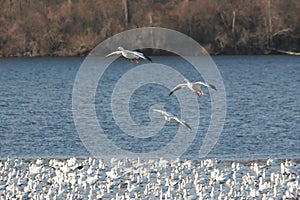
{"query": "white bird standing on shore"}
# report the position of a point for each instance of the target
(131, 55)
(171, 118)
(196, 87)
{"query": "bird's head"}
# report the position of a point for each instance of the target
(120, 48)
(185, 80)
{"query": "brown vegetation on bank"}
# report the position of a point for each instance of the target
(74, 27)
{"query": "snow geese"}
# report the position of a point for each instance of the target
(131, 55)
(171, 118)
(196, 87)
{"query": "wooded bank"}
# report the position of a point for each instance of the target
(74, 27)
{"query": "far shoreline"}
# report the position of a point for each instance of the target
(275, 53)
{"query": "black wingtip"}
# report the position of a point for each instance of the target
(213, 87)
(148, 58)
(170, 93)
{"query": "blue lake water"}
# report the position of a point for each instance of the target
(262, 97)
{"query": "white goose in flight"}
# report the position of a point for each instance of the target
(196, 87)
(171, 118)
(131, 55)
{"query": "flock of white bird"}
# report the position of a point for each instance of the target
(195, 87)
(153, 179)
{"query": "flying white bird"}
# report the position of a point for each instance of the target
(196, 87)
(131, 55)
(171, 118)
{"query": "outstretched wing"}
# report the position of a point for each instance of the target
(199, 83)
(141, 55)
(148, 58)
(182, 123)
(187, 125)
(177, 87)
(161, 112)
(114, 53)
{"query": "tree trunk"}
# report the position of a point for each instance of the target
(126, 12)
(270, 24)
(233, 21)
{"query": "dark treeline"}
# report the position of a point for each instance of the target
(74, 27)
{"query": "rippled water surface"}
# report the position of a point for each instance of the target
(263, 109)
